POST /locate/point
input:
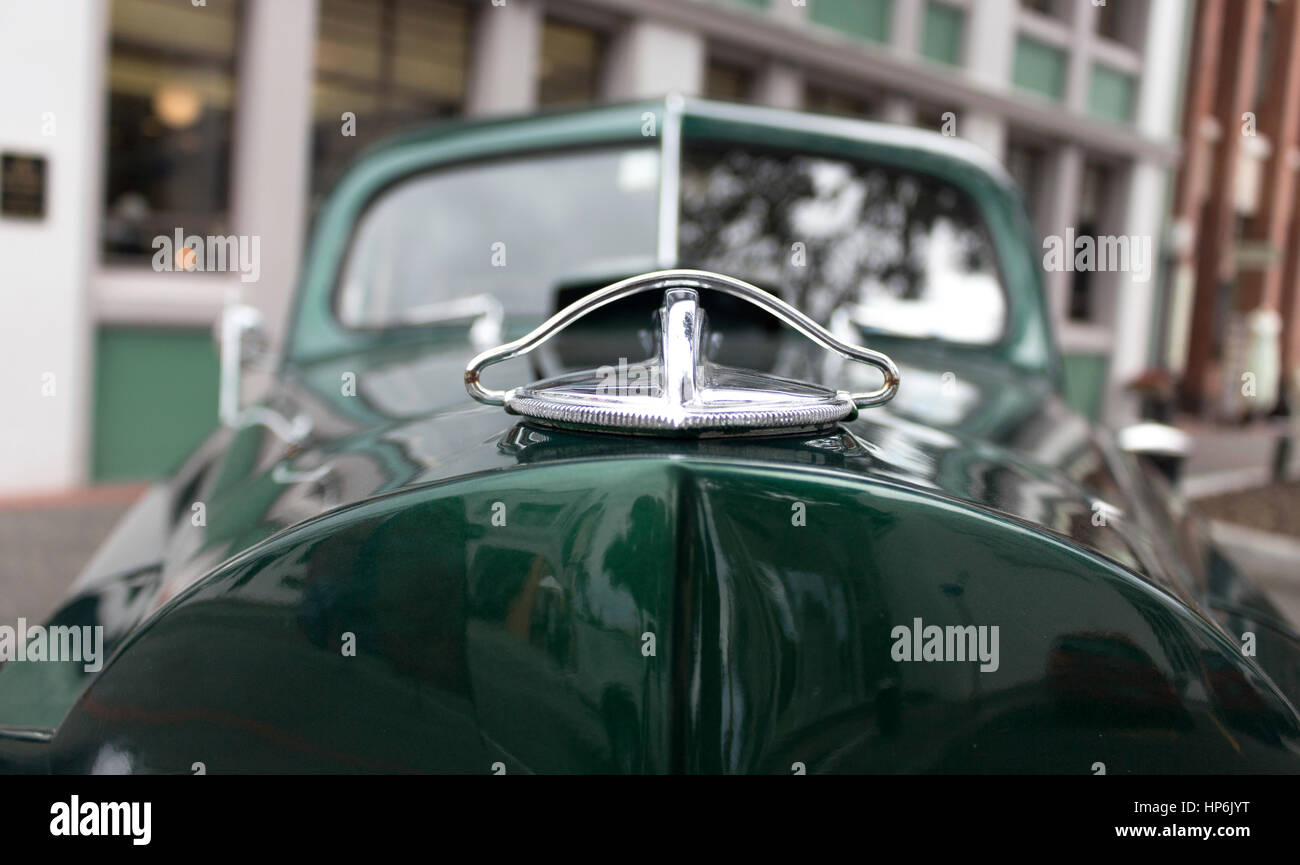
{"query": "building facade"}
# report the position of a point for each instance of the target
(1235, 303)
(218, 117)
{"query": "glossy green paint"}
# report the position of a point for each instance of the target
(503, 583)
(636, 614)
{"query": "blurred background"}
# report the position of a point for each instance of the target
(1177, 120)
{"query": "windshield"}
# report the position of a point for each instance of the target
(890, 250)
(512, 229)
(881, 248)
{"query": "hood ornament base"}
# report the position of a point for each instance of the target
(679, 391)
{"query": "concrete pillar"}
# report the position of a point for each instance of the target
(1134, 297)
(789, 12)
(908, 18)
(780, 86)
(992, 41)
(650, 59)
(1060, 189)
(46, 337)
(1142, 211)
(984, 129)
(271, 151)
(1078, 72)
(898, 109)
(505, 57)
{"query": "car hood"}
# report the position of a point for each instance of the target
(977, 432)
(972, 472)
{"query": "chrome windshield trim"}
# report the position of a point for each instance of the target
(670, 163)
(42, 735)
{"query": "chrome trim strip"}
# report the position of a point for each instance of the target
(42, 735)
(670, 162)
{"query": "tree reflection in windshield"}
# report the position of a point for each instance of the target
(892, 250)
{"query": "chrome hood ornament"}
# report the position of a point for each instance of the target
(679, 391)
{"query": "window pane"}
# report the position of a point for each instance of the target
(1094, 201)
(171, 75)
(392, 65)
(866, 19)
(1050, 8)
(941, 40)
(892, 250)
(571, 61)
(1025, 163)
(1110, 94)
(1039, 68)
(826, 101)
(514, 229)
(728, 82)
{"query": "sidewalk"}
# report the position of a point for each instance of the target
(1227, 458)
(1255, 520)
(45, 541)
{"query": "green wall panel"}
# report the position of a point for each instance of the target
(1085, 382)
(941, 39)
(1110, 94)
(155, 399)
(866, 19)
(1039, 68)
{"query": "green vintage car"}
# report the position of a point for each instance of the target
(772, 474)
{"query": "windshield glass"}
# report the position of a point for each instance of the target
(889, 250)
(881, 248)
(512, 229)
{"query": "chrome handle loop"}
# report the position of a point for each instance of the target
(682, 278)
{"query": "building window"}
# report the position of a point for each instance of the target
(936, 118)
(1098, 181)
(944, 34)
(728, 82)
(866, 19)
(382, 67)
(1123, 22)
(822, 100)
(1058, 9)
(1110, 94)
(1039, 68)
(1025, 165)
(572, 57)
(171, 85)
